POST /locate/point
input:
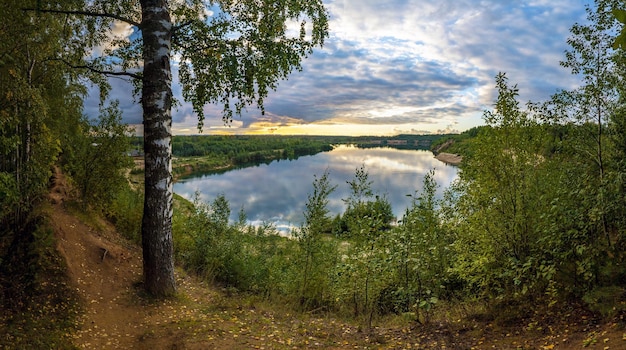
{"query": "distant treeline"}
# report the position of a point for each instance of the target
(252, 148)
(247, 148)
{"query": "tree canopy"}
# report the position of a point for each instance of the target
(228, 52)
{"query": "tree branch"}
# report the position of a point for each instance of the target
(88, 13)
(99, 71)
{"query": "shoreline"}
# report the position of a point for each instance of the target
(449, 158)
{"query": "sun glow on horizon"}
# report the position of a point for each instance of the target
(317, 129)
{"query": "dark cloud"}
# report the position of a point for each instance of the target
(121, 90)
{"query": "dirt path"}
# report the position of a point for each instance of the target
(105, 269)
(103, 272)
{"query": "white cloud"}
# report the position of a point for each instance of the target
(417, 64)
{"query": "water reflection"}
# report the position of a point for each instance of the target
(278, 192)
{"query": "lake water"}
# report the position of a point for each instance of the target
(277, 192)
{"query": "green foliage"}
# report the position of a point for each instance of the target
(361, 274)
(9, 194)
(40, 110)
(238, 57)
(246, 258)
(125, 212)
(317, 254)
(608, 301)
(206, 230)
(541, 205)
(39, 104)
(501, 204)
(363, 205)
(421, 256)
(587, 209)
(620, 41)
(100, 159)
(313, 269)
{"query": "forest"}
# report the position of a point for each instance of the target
(537, 216)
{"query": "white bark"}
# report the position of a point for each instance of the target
(158, 264)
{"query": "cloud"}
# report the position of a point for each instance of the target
(472, 39)
(410, 65)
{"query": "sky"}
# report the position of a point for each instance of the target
(401, 67)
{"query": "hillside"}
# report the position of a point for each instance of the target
(105, 271)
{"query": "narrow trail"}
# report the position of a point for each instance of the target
(106, 271)
(103, 272)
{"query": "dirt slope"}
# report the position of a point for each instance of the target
(103, 271)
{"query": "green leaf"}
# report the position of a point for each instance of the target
(620, 15)
(620, 41)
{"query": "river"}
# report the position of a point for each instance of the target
(277, 192)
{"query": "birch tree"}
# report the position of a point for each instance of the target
(230, 52)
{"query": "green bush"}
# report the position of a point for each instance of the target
(126, 211)
(100, 159)
(608, 301)
(247, 258)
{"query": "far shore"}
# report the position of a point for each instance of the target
(449, 158)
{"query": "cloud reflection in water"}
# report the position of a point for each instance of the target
(278, 192)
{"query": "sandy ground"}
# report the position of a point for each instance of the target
(449, 158)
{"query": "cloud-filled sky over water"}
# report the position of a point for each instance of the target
(404, 66)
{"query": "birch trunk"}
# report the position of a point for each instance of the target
(156, 230)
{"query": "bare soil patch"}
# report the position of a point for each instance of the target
(449, 158)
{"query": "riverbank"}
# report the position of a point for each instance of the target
(186, 166)
(449, 158)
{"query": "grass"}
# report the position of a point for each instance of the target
(89, 217)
